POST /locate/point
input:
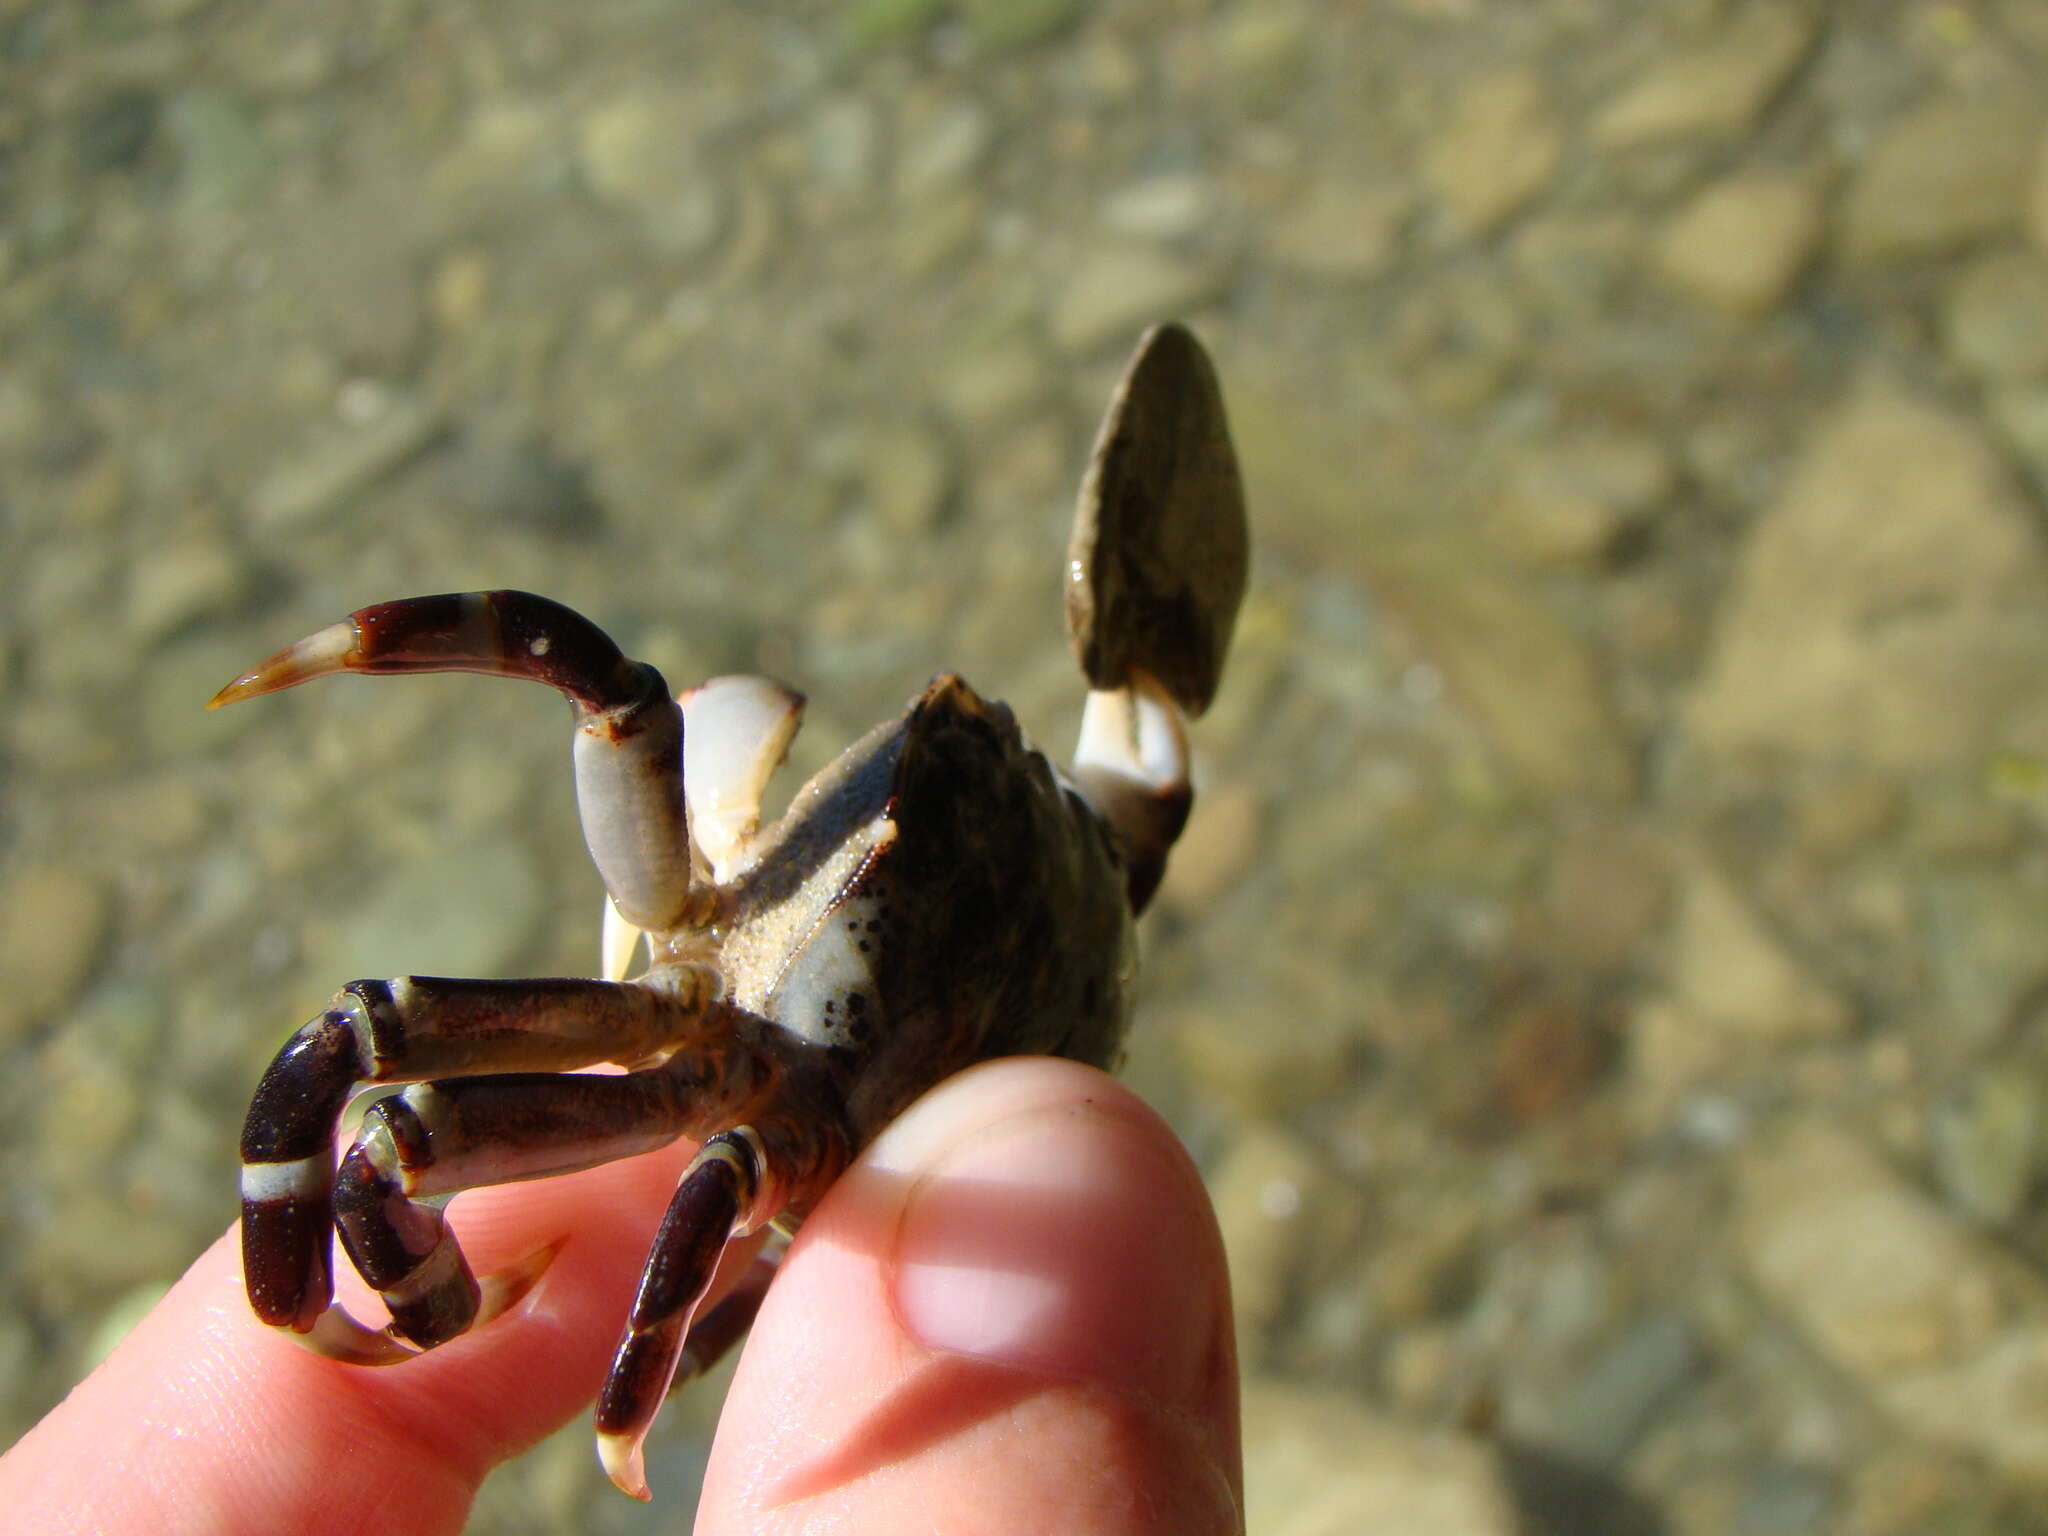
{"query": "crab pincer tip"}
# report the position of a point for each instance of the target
(246, 686)
(333, 649)
(623, 1463)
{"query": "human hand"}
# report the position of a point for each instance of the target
(1011, 1314)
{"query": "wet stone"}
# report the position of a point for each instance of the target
(1952, 172)
(1317, 1463)
(53, 921)
(1622, 1392)
(2034, 215)
(1218, 845)
(1995, 316)
(499, 474)
(1266, 1191)
(1948, 1335)
(1711, 87)
(466, 914)
(1164, 207)
(908, 475)
(1741, 245)
(196, 580)
(340, 462)
(1985, 954)
(2020, 413)
(1573, 498)
(1950, 607)
(639, 152)
(1497, 152)
(844, 140)
(1263, 49)
(941, 150)
(1734, 978)
(1985, 1141)
(223, 161)
(1116, 291)
(995, 383)
(1340, 231)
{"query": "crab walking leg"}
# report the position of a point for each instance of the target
(739, 1181)
(460, 1133)
(1132, 764)
(629, 732)
(715, 1333)
(406, 1030)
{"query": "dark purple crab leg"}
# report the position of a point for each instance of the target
(717, 1331)
(702, 1217)
(461, 1133)
(739, 1181)
(629, 731)
(417, 1027)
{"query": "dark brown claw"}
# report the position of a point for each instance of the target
(629, 737)
(1156, 566)
(502, 634)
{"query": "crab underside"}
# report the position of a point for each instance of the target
(937, 895)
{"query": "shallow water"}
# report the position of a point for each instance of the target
(1624, 811)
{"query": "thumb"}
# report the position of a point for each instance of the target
(1011, 1313)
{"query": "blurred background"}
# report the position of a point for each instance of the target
(1604, 977)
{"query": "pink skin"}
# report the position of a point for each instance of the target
(1011, 1314)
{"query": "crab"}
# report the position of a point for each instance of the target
(937, 895)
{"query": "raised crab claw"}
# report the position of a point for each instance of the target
(937, 895)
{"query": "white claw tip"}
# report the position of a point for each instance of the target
(623, 1464)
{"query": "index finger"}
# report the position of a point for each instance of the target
(205, 1420)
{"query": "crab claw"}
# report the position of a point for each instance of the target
(502, 634)
(629, 736)
(1155, 572)
(1156, 564)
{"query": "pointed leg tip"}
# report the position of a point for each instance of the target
(505, 1289)
(339, 1336)
(333, 649)
(623, 1463)
(247, 686)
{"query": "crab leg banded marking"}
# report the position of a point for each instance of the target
(409, 1029)
(462, 1133)
(629, 732)
(721, 1182)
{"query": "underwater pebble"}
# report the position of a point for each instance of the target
(1497, 150)
(196, 580)
(1995, 316)
(1115, 291)
(1949, 173)
(1615, 1400)
(466, 913)
(1985, 1140)
(53, 920)
(1265, 1189)
(1710, 87)
(1740, 245)
(341, 462)
(1318, 1463)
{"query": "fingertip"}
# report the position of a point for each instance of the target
(1025, 1266)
